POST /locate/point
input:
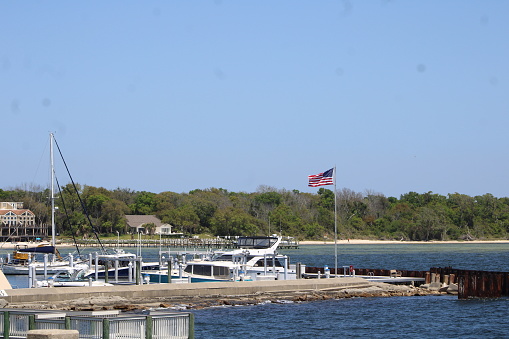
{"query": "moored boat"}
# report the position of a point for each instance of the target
(256, 258)
(25, 256)
(67, 278)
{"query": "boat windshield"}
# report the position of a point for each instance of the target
(221, 272)
(229, 257)
(80, 276)
(62, 276)
(269, 261)
(255, 242)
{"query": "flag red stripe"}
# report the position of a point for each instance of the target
(316, 180)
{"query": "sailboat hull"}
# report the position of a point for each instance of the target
(46, 249)
(23, 269)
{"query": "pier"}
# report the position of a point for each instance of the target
(472, 283)
(415, 278)
(168, 291)
(209, 243)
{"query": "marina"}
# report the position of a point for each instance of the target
(152, 266)
(387, 256)
(253, 258)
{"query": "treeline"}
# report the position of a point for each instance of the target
(218, 212)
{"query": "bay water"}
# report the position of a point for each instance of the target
(394, 317)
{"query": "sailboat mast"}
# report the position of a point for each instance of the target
(52, 190)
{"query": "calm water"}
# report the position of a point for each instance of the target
(396, 317)
(488, 257)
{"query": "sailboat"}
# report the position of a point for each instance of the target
(24, 257)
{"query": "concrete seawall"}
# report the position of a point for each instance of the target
(154, 291)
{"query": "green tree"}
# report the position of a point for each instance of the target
(113, 216)
(232, 221)
(326, 198)
(4, 195)
(427, 224)
(462, 209)
(150, 228)
(144, 203)
(183, 217)
(285, 220)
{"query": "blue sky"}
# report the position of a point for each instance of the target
(160, 96)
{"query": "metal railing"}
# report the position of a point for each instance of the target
(16, 324)
(179, 326)
(53, 324)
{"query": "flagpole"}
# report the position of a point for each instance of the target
(335, 226)
(322, 179)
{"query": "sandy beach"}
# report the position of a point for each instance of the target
(11, 246)
(373, 242)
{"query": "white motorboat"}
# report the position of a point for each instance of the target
(41, 267)
(68, 278)
(255, 258)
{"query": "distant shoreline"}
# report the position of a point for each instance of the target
(11, 246)
(393, 242)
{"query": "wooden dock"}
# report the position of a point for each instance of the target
(210, 243)
(474, 284)
(471, 283)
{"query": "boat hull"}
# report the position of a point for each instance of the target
(23, 270)
(163, 278)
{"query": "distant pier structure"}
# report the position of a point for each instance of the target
(212, 243)
(474, 284)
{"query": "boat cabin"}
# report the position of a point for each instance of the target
(268, 261)
(256, 242)
(210, 271)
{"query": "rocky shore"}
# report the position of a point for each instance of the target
(96, 302)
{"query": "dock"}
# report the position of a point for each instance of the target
(403, 277)
(160, 293)
(209, 243)
(470, 283)
(473, 283)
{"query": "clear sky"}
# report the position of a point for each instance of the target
(169, 95)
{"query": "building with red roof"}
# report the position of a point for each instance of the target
(19, 224)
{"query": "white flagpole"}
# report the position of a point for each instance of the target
(52, 165)
(335, 225)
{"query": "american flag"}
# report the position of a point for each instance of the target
(322, 179)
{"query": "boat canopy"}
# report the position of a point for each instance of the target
(256, 242)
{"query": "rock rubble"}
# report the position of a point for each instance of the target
(198, 302)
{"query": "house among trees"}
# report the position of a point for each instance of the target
(148, 224)
(18, 224)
